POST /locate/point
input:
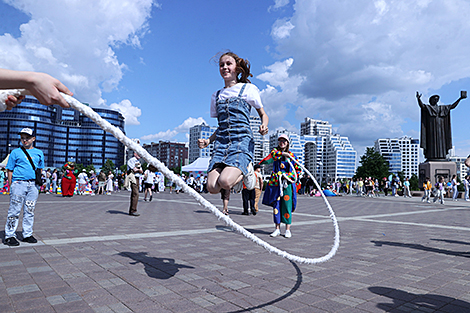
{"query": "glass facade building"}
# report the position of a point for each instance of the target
(401, 154)
(62, 134)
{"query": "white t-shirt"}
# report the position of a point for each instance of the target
(150, 177)
(82, 178)
(250, 95)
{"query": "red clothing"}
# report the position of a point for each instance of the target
(68, 185)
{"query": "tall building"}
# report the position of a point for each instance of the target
(62, 134)
(401, 154)
(462, 169)
(172, 154)
(328, 157)
(202, 131)
(315, 127)
(261, 143)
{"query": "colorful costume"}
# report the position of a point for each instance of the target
(281, 191)
(68, 180)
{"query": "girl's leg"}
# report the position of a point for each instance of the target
(224, 178)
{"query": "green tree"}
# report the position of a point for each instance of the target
(90, 167)
(414, 182)
(123, 168)
(108, 166)
(373, 165)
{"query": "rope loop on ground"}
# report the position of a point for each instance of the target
(116, 132)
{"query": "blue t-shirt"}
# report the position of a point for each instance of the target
(18, 163)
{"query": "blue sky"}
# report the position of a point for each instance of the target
(357, 64)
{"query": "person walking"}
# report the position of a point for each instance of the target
(466, 183)
(248, 196)
(455, 191)
(440, 189)
(149, 178)
(259, 186)
(427, 186)
(281, 192)
(110, 183)
(134, 168)
(82, 182)
(406, 188)
(21, 171)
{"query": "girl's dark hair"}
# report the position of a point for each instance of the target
(243, 67)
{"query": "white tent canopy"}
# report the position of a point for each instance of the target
(4, 162)
(200, 165)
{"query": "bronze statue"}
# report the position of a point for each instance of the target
(436, 135)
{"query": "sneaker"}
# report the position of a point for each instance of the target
(288, 234)
(150, 198)
(30, 239)
(11, 242)
(145, 200)
(250, 178)
(275, 233)
(134, 214)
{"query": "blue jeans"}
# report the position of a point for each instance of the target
(455, 192)
(23, 195)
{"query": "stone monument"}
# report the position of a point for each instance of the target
(436, 139)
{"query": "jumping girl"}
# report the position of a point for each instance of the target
(280, 192)
(233, 140)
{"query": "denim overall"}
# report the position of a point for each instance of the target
(234, 144)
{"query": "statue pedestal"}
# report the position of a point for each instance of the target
(433, 170)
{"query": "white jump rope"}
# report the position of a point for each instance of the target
(116, 132)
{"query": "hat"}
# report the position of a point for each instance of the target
(84, 170)
(27, 131)
(257, 166)
(137, 164)
(283, 136)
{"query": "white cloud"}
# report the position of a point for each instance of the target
(278, 4)
(75, 41)
(358, 64)
(130, 112)
(170, 134)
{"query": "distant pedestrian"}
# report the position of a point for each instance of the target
(466, 185)
(455, 191)
(54, 178)
(248, 197)
(68, 180)
(440, 189)
(149, 178)
(23, 190)
(406, 188)
(82, 182)
(259, 185)
(427, 186)
(101, 183)
(134, 168)
(110, 183)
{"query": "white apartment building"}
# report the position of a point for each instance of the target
(261, 143)
(462, 169)
(328, 157)
(202, 131)
(315, 128)
(401, 154)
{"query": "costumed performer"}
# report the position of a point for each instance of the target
(281, 191)
(68, 180)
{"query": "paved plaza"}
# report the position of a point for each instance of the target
(396, 255)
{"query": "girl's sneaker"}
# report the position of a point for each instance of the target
(275, 233)
(288, 234)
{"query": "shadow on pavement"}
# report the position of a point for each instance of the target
(453, 241)
(464, 254)
(288, 294)
(117, 212)
(159, 268)
(201, 211)
(418, 302)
